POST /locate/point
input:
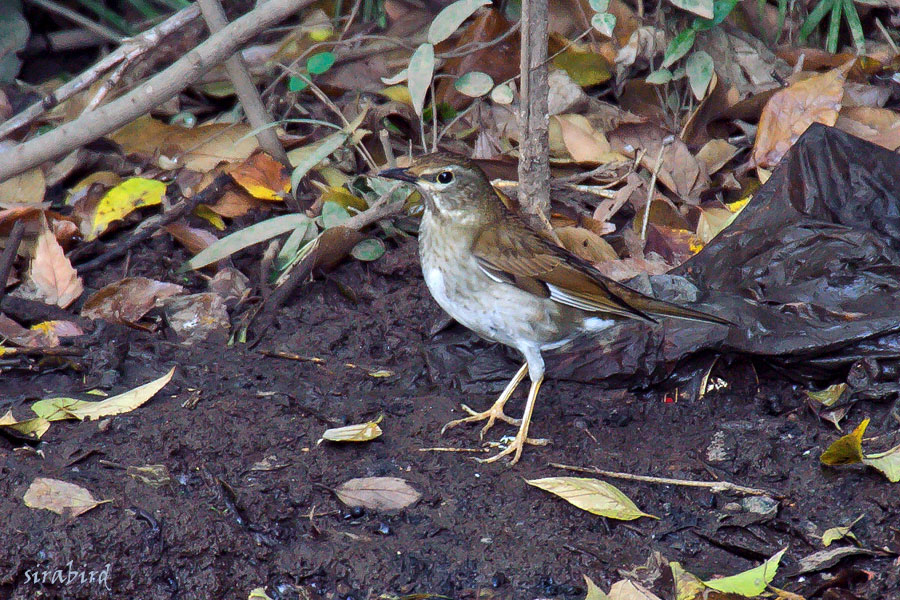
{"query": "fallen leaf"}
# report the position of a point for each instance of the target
(55, 278)
(362, 432)
(259, 594)
(377, 493)
(878, 125)
(824, 559)
(593, 591)
(27, 188)
(152, 475)
(829, 395)
(192, 238)
(687, 585)
(750, 583)
(592, 495)
(586, 244)
(98, 213)
(582, 141)
(790, 112)
(127, 300)
(712, 222)
(451, 17)
(839, 533)
(195, 317)
(263, 177)
(60, 497)
(31, 428)
(887, 462)
(715, 154)
(56, 409)
(626, 589)
(847, 450)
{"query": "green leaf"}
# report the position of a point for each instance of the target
(701, 8)
(678, 47)
(293, 244)
(829, 395)
(604, 23)
(297, 84)
(834, 26)
(368, 250)
(244, 238)
(886, 462)
(14, 33)
(323, 150)
(814, 18)
(474, 84)
(599, 6)
(659, 77)
(319, 63)
(852, 18)
(838, 533)
(333, 214)
(699, 68)
(847, 450)
(502, 94)
(721, 10)
(421, 69)
(448, 20)
(592, 495)
(749, 583)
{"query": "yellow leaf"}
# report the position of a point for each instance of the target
(206, 213)
(33, 428)
(362, 432)
(593, 591)
(121, 201)
(397, 93)
(595, 496)
(848, 449)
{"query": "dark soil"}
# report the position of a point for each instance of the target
(226, 525)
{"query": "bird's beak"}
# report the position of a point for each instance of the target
(399, 174)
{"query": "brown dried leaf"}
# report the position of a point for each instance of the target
(377, 493)
(583, 142)
(60, 497)
(877, 125)
(789, 113)
(25, 189)
(128, 300)
(55, 278)
(630, 590)
(192, 238)
(263, 177)
(715, 154)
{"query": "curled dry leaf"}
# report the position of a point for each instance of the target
(195, 317)
(30, 428)
(55, 278)
(791, 111)
(377, 493)
(362, 432)
(128, 300)
(61, 497)
(595, 496)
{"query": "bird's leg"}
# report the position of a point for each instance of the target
(518, 444)
(495, 412)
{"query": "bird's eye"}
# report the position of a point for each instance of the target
(445, 177)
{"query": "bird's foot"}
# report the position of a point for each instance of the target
(515, 447)
(493, 414)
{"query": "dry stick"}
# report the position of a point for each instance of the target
(148, 227)
(160, 88)
(715, 487)
(246, 90)
(656, 167)
(130, 50)
(9, 253)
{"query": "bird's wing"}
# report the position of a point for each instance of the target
(518, 255)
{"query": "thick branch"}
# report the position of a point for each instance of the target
(160, 88)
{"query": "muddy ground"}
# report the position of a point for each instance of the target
(250, 505)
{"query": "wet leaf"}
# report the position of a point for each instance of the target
(502, 94)
(592, 495)
(847, 450)
(699, 69)
(254, 234)
(839, 533)
(56, 409)
(604, 23)
(31, 428)
(678, 47)
(421, 69)
(377, 493)
(887, 462)
(263, 177)
(60, 497)
(749, 583)
(829, 395)
(368, 250)
(474, 84)
(319, 63)
(593, 591)
(701, 8)
(119, 202)
(152, 475)
(127, 300)
(362, 432)
(790, 112)
(448, 20)
(55, 278)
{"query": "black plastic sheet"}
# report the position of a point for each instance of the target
(809, 271)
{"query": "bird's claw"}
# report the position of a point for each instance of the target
(516, 446)
(493, 414)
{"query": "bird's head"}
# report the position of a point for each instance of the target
(453, 186)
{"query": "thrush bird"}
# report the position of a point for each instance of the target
(509, 283)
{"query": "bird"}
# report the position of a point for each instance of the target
(510, 283)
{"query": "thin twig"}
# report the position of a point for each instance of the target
(471, 47)
(71, 15)
(715, 487)
(656, 168)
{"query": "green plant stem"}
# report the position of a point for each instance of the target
(831, 42)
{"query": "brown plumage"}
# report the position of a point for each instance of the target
(502, 279)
